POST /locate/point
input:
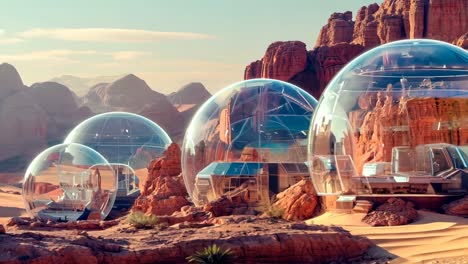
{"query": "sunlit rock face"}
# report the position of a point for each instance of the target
(395, 113)
(248, 140)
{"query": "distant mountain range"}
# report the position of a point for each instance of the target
(32, 118)
(81, 85)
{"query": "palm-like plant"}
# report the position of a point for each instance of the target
(212, 255)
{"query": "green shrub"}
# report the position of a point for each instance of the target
(212, 255)
(274, 212)
(140, 220)
(271, 210)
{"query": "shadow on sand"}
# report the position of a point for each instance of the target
(11, 211)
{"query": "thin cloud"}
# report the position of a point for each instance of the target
(110, 34)
(8, 40)
(128, 55)
(62, 55)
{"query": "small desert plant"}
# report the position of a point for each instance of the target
(140, 220)
(274, 212)
(212, 255)
(271, 210)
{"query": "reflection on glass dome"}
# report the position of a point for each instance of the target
(128, 185)
(250, 137)
(122, 138)
(69, 182)
(394, 121)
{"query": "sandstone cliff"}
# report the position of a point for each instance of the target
(342, 39)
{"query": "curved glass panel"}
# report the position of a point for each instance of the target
(123, 138)
(69, 182)
(247, 135)
(128, 185)
(394, 121)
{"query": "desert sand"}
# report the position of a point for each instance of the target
(10, 204)
(433, 238)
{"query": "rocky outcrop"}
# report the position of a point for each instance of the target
(31, 223)
(164, 191)
(282, 61)
(298, 202)
(446, 20)
(393, 212)
(342, 39)
(328, 60)
(365, 27)
(339, 29)
(251, 241)
(457, 208)
(462, 41)
(234, 202)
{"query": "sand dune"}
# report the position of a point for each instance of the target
(432, 237)
(10, 205)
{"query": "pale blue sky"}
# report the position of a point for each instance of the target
(209, 41)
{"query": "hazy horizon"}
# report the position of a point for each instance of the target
(166, 43)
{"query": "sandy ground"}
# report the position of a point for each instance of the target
(433, 238)
(10, 204)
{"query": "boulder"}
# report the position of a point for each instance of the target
(298, 202)
(393, 212)
(457, 208)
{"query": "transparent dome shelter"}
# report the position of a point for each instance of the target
(394, 121)
(123, 138)
(249, 139)
(69, 182)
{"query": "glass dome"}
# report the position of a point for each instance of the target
(249, 137)
(394, 121)
(123, 138)
(69, 182)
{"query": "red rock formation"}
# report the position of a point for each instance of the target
(253, 70)
(298, 202)
(393, 212)
(457, 208)
(415, 116)
(282, 61)
(342, 39)
(328, 60)
(163, 192)
(447, 20)
(338, 29)
(462, 41)
(251, 241)
(365, 27)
